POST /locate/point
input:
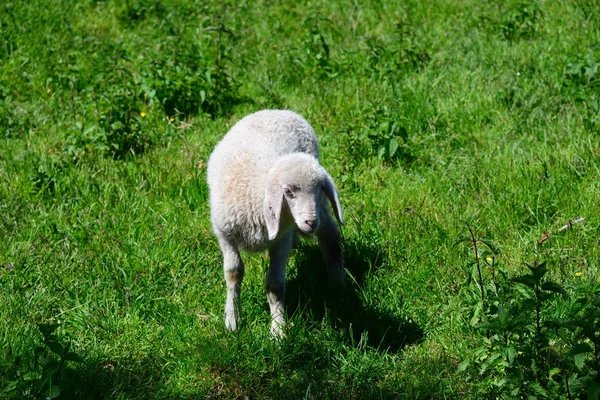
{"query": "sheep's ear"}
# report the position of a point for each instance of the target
(272, 209)
(334, 198)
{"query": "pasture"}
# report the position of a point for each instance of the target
(463, 138)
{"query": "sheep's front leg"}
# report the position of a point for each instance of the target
(278, 255)
(233, 267)
(330, 242)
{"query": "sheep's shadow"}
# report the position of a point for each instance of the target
(309, 295)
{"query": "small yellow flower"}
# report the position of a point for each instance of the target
(171, 119)
(489, 259)
(142, 114)
(48, 91)
(577, 273)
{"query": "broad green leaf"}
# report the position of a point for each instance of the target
(538, 389)
(384, 126)
(403, 133)
(510, 354)
(538, 271)
(47, 329)
(476, 313)
(71, 356)
(463, 365)
(29, 376)
(593, 390)
(553, 287)
(393, 146)
(499, 382)
(55, 347)
(553, 372)
(53, 391)
(528, 304)
(580, 348)
(461, 239)
(527, 280)
(489, 244)
(51, 368)
(573, 68)
(579, 360)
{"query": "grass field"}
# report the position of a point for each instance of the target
(464, 140)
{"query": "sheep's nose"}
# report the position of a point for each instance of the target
(311, 222)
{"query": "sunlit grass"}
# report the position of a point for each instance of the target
(438, 121)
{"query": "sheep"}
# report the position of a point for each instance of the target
(266, 186)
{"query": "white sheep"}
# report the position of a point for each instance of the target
(266, 184)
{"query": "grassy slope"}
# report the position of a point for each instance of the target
(117, 248)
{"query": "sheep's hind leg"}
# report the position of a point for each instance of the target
(275, 285)
(233, 267)
(330, 242)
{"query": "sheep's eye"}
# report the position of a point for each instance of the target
(288, 193)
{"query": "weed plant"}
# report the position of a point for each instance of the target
(463, 137)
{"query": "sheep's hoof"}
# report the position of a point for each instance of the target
(337, 278)
(277, 330)
(231, 324)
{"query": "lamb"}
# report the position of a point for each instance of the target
(266, 185)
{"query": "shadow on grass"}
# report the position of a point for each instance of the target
(125, 378)
(310, 294)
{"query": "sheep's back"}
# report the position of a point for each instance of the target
(273, 133)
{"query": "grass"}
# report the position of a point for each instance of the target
(437, 120)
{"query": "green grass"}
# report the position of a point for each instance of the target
(434, 118)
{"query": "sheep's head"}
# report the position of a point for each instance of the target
(296, 184)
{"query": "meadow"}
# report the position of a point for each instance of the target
(464, 140)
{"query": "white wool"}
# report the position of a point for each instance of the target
(265, 183)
